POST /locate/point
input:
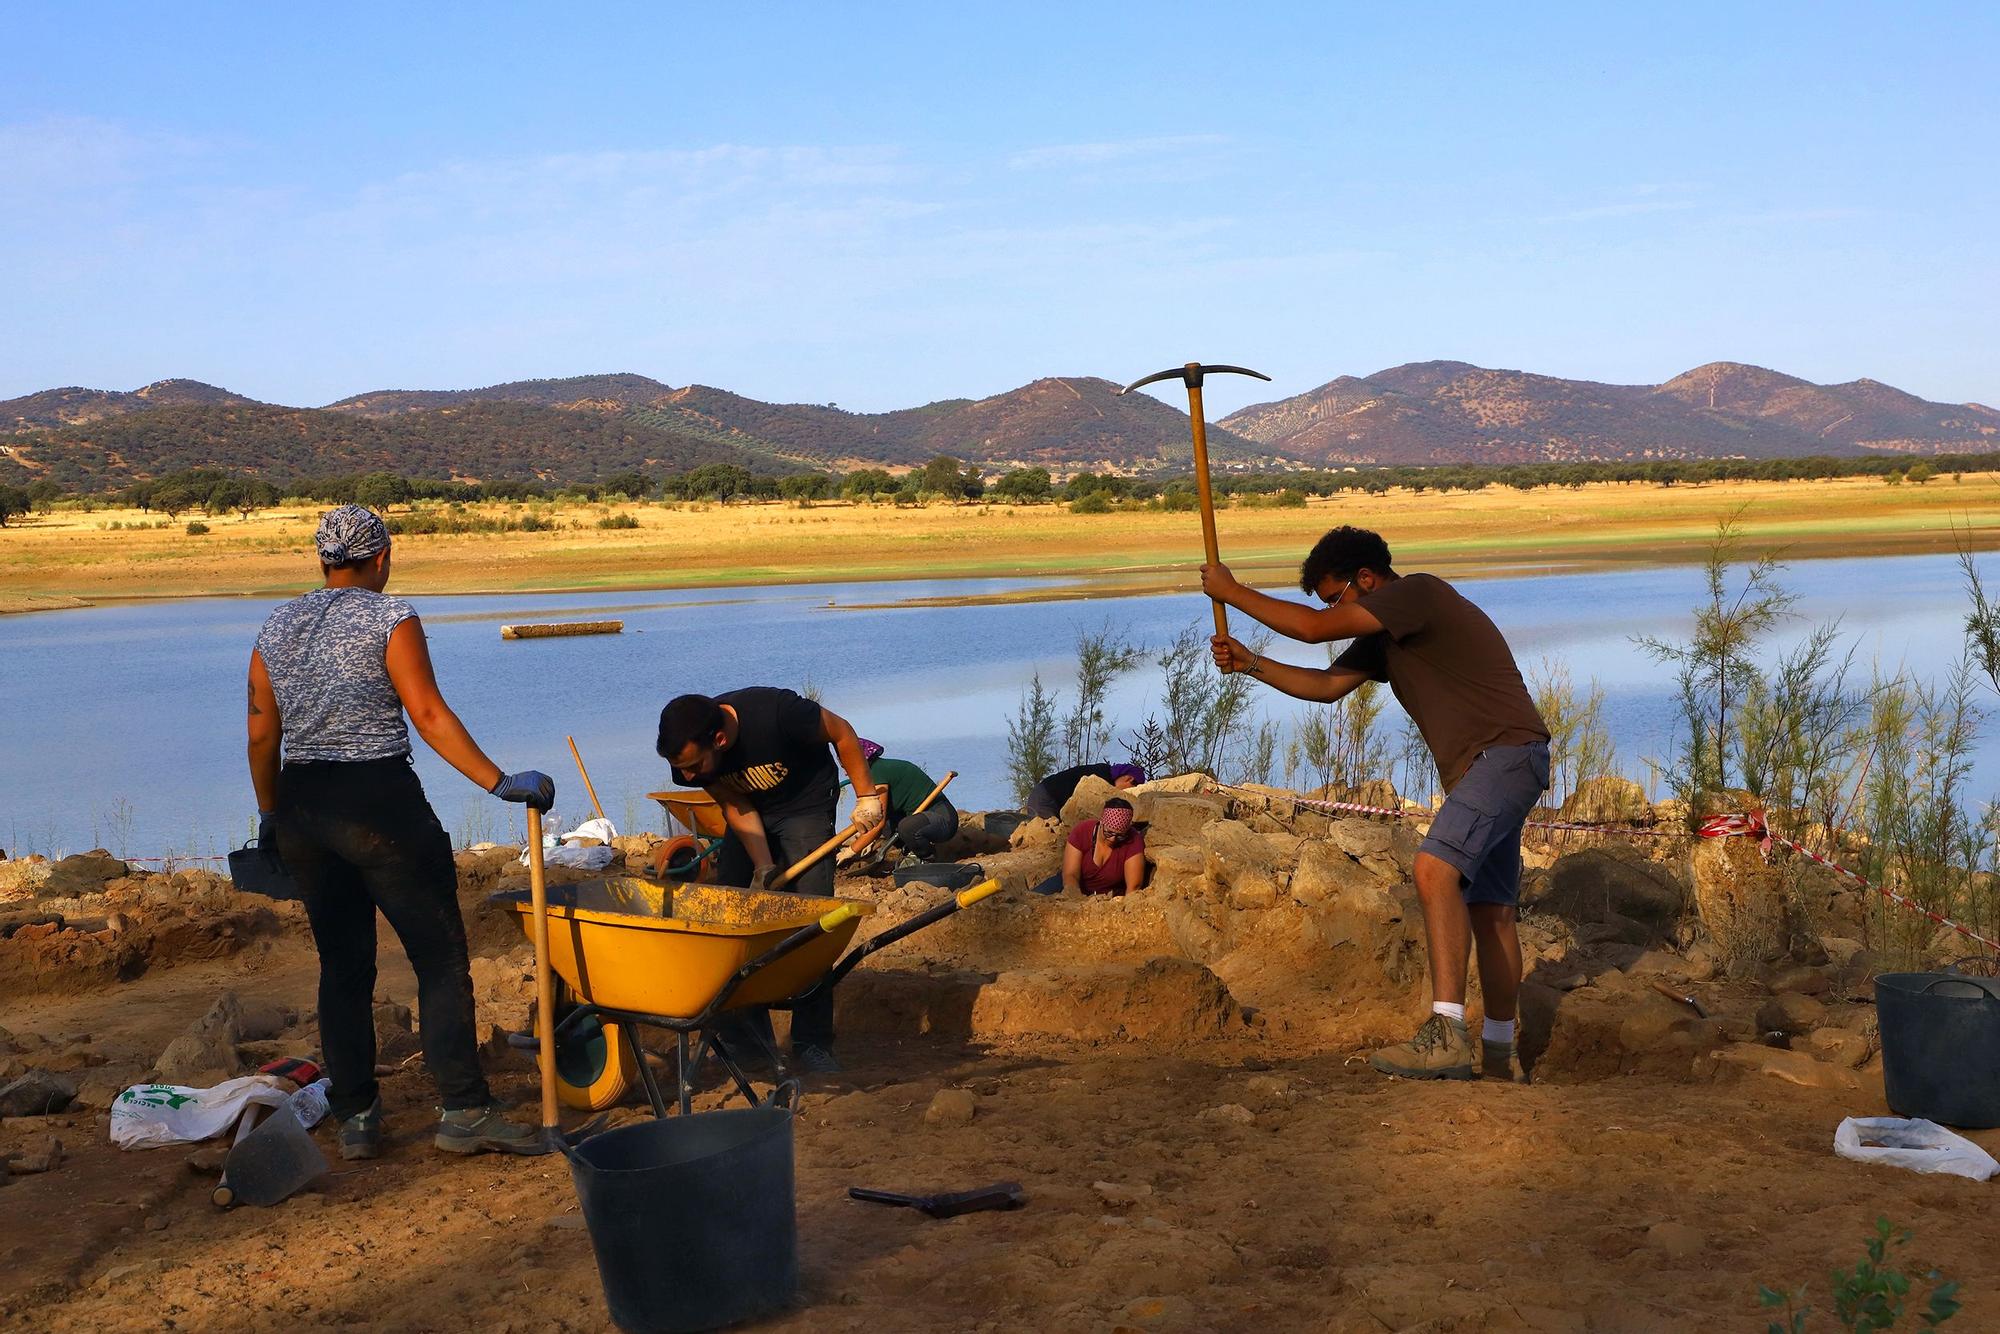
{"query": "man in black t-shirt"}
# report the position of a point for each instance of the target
(767, 757)
(1047, 798)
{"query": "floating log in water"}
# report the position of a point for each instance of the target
(555, 629)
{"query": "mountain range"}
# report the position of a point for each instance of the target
(585, 427)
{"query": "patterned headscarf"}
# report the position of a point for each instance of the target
(350, 533)
(870, 751)
(1114, 820)
(1119, 771)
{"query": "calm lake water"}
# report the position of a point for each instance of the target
(121, 726)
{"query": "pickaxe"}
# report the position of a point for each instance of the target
(1191, 375)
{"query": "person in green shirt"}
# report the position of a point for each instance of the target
(906, 787)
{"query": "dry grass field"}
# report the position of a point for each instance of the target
(48, 560)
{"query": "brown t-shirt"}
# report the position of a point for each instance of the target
(1450, 669)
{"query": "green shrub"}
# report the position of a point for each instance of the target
(196, 528)
(1094, 503)
(618, 521)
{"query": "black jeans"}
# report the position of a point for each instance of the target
(792, 835)
(358, 837)
(922, 832)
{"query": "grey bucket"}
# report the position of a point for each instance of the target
(692, 1217)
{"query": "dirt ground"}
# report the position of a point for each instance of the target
(1216, 1167)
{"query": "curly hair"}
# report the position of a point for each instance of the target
(686, 719)
(1343, 553)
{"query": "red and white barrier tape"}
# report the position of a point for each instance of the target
(1750, 825)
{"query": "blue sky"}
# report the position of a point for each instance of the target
(878, 205)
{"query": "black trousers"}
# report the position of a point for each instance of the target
(360, 837)
(792, 835)
(922, 832)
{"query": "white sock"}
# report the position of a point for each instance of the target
(1497, 1030)
(1449, 1009)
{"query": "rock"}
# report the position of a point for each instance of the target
(45, 1155)
(1270, 1088)
(1034, 835)
(1608, 800)
(1246, 864)
(156, 1222)
(1228, 1114)
(1173, 785)
(1676, 1239)
(23, 879)
(952, 1107)
(1358, 837)
(1739, 897)
(208, 1159)
(1794, 1067)
(1326, 874)
(37, 1093)
(1611, 886)
(1087, 800)
(1119, 1196)
(261, 1021)
(1181, 818)
(1841, 951)
(1791, 1014)
(395, 1040)
(1839, 1046)
(1800, 978)
(84, 873)
(206, 1054)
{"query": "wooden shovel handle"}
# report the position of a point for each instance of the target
(545, 983)
(577, 755)
(799, 867)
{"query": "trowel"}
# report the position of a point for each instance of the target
(271, 1163)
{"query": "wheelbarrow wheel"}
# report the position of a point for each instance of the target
(593, 1062)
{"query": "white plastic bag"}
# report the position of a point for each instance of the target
(558, 850)
(1921, 1146)
(148, 1116)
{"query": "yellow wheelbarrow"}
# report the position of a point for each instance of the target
(686, 856)
(640, 953)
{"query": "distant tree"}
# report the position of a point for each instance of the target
(806, 486)
(171, 500)
(139, 495)
(1026, 485)
(44, 493)
(632, 484)
(13, 500)
(716, 481)
(225, 495)
(865, 482)
(945, 476)
(1920, 473)
(379, 490)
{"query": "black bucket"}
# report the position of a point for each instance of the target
(1941, 1047)
(692, 1217)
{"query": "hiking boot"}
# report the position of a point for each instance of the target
(485, 1130)
(1440, 1050)
(361, 1133)
(1498, 1060)
(813, 1059)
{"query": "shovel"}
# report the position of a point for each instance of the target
(545, 985)
(869, 856)
(269, 1164)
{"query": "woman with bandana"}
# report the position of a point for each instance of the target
(332, 676)
(1102, 856)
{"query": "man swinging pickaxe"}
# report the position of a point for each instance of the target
(1191, 375)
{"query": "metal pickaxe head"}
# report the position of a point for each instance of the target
(1191, 375)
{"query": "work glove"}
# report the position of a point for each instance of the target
(870, 811)
(267, 839)
(764, 877)
(528, 787)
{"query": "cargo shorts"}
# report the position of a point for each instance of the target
(1478, 829)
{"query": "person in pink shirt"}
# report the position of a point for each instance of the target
(1102, 856)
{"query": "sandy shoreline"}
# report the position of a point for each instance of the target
(73, 559)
